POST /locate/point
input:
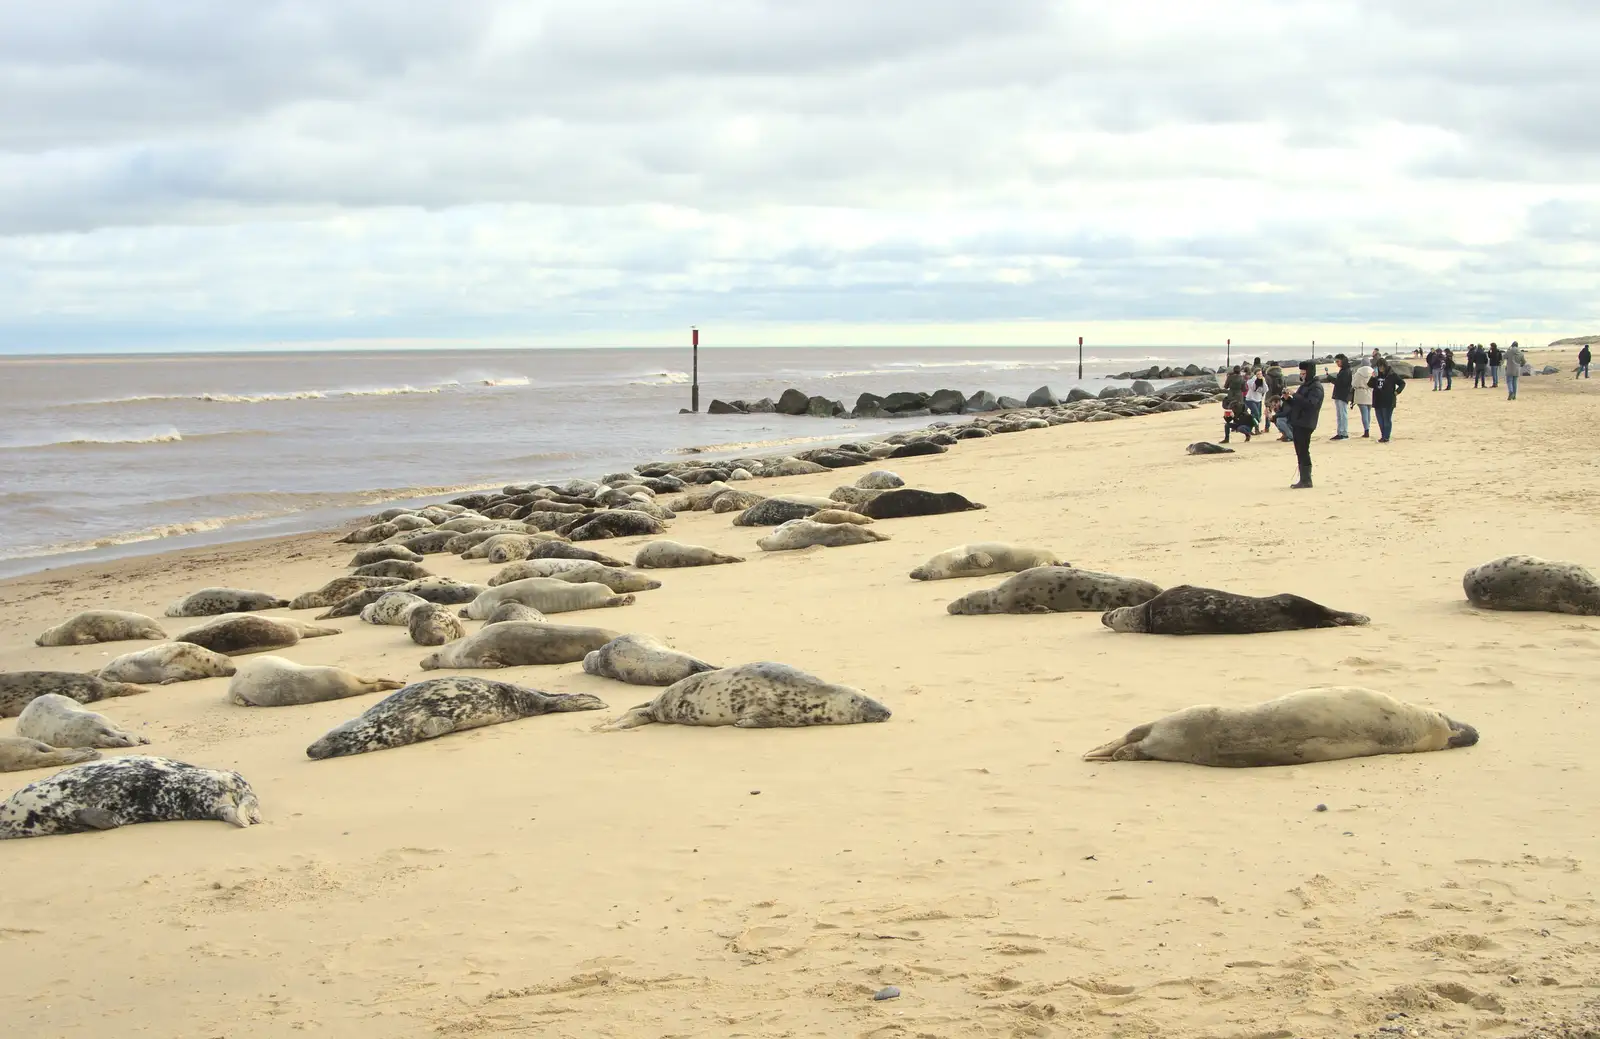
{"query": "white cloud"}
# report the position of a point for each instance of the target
(334, 168)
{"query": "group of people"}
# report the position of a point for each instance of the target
(1372, 388)
(1484, 365)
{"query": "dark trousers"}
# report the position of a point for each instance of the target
(1302, 446)
(1385, 421)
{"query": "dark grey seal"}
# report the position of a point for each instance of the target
(1191, 610)
(19, 688)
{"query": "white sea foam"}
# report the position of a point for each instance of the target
(667, 378)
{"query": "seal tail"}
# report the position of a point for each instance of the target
(1124, 748)
(635, 717)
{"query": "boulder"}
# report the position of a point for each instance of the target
(764, 406)
(722, 407)
(793, 402)
(1209, 371)
(1420, 372)
(1042, 398)
(983, 400)
(1078, 393)
(902, 402)
(822, 407)
(1550, 369)
(1203, 384)
(1010, 404)
(1140, 387)
(1193, 370)
(868, 402)
(947, 402)
(1113, 392)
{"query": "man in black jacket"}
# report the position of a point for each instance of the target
(1344, 393)
(1303, 408)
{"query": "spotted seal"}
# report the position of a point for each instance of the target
(984, 558)
(20, 688)
(1523, 582)
(60, 721)
(666, 554)
(802, 533)
(903, 502)
(340, 588)
(514, 611)
(378, 553)
(547, 595)
(1203, 447)
(167, 663)
(563, 550)
(771, 512)
(517, 643)
(1055, 589)
(880, 480)
(94, 626)
(252, 634)
(1190, 610)
(755, 696)
(577, 571)
(642, 660)
(433, 625)
(269, 681)
(397, 568)
(431, 708)
(105, 794)
(393, 608)
(1324, 724)
(208, 602)
(20, 755)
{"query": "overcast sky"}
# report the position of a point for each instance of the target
(1013, 171)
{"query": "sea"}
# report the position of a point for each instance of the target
(105, 456)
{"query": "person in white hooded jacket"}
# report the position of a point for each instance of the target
(1364, 398)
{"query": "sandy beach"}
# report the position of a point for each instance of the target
(539, 878)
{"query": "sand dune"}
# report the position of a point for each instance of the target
(538, 878)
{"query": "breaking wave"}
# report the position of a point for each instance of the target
(667, 378)
(91, 440)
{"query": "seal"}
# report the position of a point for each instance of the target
(908, 501)
(269, 681)
(880, 480)
(802, 533)
(102, 795)
(167, 663)
(983, 558)
(208, 602)
(1203, 447)
(918, 447)
(519, 643)
(20, 688)
(839, 516)
(547, 595)
(755, 696)
(563, 550)
(771, 512)
(614, 523)
(1055, 589)
(433, 625)
(340, 588)
(252, 634)
(20, 755)
(368, 534)
(514, 611)
(662, 555)
(642, 660)
(1523, 582)
(378, 553)
(431, 708)
(735, 501)
(60, 721)
(92, 626)
(1324, 724)
(392, 608)
(1190, 610)
(576, 571)
(397, 568)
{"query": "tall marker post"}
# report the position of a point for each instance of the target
(1080, 358)
(1229, 363)
(694, 383)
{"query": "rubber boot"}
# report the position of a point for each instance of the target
(1305, 479)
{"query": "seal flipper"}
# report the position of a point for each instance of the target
(94, 819)
(434, 727)
(1125, 748)
(635, 717)
(561, 702)
(977, 561)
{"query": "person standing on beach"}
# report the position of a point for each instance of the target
(1386, 386)
(1436, 368)
(1255, 392)
(1303, 409)
(1449, 371)
(1363, 397)
(1583, 362)
(1234, 383)
(1496, 359)
(1475, 365)
(1343, 396)
(1514, 362)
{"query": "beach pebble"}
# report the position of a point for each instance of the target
(887, 993)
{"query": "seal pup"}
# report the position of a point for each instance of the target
(755, 696)
(397, 568)
(1324, 724)
(19, 755)
(393, 608)
(252, 634)
(519, 643)
(339, 589)
(643, 660)
(1056, 589)
(433, 625)
(1203, 447)
(547, 595)
(908, 501)
(433, 707)
(92, 626)
(880, 480)
(514, 611)
(269, 681)
(378, 553)
(1191, 610)
(20, 688)
(983, 558)
(803, 533)
(663, 555)
(208, 602)
(167, 663)
(839, 516)
(105, 794)
(60, 721)
(1523, 582)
